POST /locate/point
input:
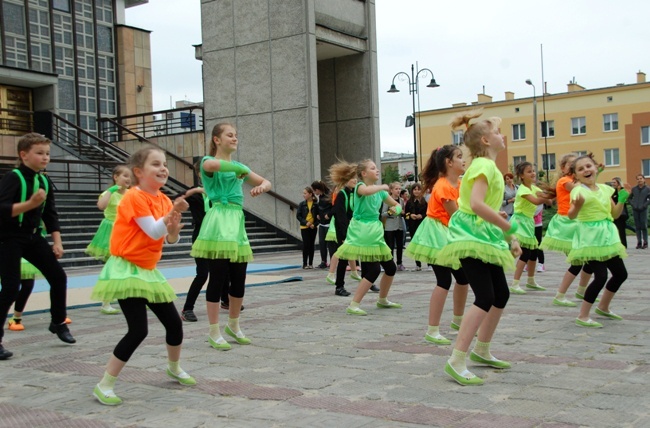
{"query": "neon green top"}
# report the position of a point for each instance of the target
(523, 205)
(110, 212)
(366, 208)
(496, 185)
(598, 203)
(223, 187)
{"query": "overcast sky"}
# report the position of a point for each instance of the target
(467, 44)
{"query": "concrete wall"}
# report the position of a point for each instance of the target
(261, 72)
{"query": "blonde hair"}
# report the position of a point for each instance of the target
(362, 166)
(475, 131)
(342, 172)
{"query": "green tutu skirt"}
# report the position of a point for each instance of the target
(223, 235)
(28, 270)
(526, 232)
(331, 232)
(121, 279)
(595, 240)
(559, 234)
(99, 247)
(470, 236)
(427, 242)
(365, 242)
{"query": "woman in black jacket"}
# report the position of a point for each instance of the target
(324, 217)
(415, 211)
(307, 215)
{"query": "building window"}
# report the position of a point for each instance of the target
(645, 167)
(578, 125)
(610, 122)
(611, 157)
(645, 135)
(581, 153)
(518, 131)
(516, 160)
(457, 138)
(62, 5)
(548, 128)
(548, 162)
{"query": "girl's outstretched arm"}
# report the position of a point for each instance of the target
(259, 183)
(367, 190)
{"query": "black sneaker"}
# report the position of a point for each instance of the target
(62, 332)
(341, 291)
(374, 288)
(4, 354)
(226, 307)
(322, 265)
(189, 316)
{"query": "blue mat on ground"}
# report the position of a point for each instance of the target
(83, 281)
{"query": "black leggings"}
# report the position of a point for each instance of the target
(308, 240)
(228, 276)
(26, 287)
(202, 274)
(619, 275)
(35, 249)
(322, 243)
(538, 235)
(488, 283)
(135, 312)
(443, 276)
(575, 269)
(528, 254)
(395, 241)
(371, 270)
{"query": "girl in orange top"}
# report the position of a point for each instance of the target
(441, 173)
(145, 219)
(559, 234)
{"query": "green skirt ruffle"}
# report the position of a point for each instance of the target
(470, 236)
(365, 242)
(595, 240)
(121, 279)
(526, 232)
(223, 235)
(559, 234)
(28, 270)
(331, 232)
(99, 246)
(427, 242)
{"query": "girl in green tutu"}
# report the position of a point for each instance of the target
(99, 246)
(559, 234)
(145, 219)
(365, 237)
(222, 237)
(478, 241)
(528, 197)
(596, 239)
(441, 174)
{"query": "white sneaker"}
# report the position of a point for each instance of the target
(540, 267)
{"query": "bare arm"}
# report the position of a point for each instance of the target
(367, 190)
(259, 183)
(450, 206)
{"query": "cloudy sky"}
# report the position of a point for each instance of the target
(467, 44)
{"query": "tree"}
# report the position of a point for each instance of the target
(390, 174)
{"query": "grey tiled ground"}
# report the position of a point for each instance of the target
(312, 365)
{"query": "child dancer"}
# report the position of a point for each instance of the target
(596, 240)
(344, 176)
(476, 241)
(559, 233)
(526, 201)
(145, 218)
(365, 237)
(415, 212)
(394, 226)
(108, 202)
(307, 216)
(441, 174)
(25, 202)
(222, 237)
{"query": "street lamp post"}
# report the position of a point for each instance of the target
(413, 90)
(529, 82)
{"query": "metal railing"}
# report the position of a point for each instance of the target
(153, 124)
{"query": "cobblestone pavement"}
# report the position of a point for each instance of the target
(310, 364)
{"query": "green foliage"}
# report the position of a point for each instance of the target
(390, 174)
